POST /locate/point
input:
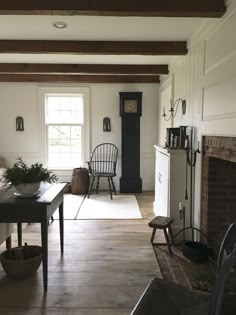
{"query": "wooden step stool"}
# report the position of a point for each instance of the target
(162, 223)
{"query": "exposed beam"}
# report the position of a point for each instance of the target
(94, 47)
(82, 68)
(79, 78)
(171, 8)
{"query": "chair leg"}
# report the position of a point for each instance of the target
(97, 187)
(8, 243)
(113, 186)
(171, 235)
(52, 219)
(109, 184)
(153, 235)
(91, 186)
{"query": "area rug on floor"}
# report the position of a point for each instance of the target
(102, 207)
(72, 204)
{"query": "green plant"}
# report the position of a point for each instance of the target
(21, 173)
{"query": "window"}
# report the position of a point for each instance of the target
(65, 129)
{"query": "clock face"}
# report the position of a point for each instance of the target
(130, 106)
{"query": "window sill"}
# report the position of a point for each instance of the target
(63, 169)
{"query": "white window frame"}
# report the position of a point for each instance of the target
(43, 92)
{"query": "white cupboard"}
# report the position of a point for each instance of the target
(171, 185)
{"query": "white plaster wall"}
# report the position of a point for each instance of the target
(206, 78)
(21, 99)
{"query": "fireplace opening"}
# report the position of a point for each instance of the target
(218, 198)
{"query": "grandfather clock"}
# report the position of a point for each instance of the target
(130, 112)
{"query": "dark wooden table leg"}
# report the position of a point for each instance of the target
(44, 238)
(8, 243)
(61, 222)
(19, 233)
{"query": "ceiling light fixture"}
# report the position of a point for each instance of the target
(59, 24)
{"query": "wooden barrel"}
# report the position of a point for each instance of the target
(80, 181)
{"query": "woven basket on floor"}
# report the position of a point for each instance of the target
(80, 181)
(21, 262)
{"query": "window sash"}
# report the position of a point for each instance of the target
(64, 114)
(83, 92)
(65, 157)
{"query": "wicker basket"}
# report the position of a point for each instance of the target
(21, 262)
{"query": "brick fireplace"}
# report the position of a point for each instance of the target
(218, 196)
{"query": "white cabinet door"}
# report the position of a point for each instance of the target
(170, 185)
(162, 184)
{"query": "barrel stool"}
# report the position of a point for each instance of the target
(162, 223)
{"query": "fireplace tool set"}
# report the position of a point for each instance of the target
(192, 245)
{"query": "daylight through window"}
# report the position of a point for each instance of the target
(64, 129)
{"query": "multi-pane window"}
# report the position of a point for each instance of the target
(64, 130)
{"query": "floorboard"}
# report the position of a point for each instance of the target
(105, 268)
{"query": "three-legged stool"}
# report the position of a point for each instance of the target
(162, 223)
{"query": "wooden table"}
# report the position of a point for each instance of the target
(36, 210)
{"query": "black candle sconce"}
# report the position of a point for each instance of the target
(106, 124)
(19, 123)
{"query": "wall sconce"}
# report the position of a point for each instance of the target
(174, 108)
(106, 124)
(19, 123)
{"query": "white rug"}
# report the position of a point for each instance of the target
(102, 207)
(71, 206)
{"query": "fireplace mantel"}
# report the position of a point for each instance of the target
(220, 147)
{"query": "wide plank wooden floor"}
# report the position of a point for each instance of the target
(105, 268)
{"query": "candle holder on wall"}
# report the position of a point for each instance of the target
(174, 108)
(19, 123)
(106, 124)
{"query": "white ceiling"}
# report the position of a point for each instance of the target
(95, 28)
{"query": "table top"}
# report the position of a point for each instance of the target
(14, 209)
(47, 194)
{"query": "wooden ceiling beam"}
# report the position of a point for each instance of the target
(94, 47)
(169, 8)
(79, 78)
(82, 68)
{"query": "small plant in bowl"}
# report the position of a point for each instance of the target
(27, 179)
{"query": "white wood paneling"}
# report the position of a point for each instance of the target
(166, 95)
(221, 45)
(219, 100)
(206, 77)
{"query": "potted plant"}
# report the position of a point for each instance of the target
(27, 179)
